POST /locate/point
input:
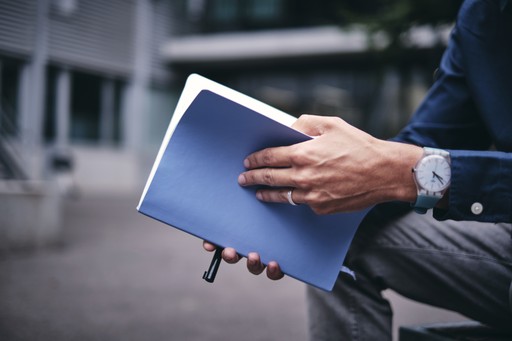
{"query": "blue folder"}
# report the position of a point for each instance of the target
(194, 188)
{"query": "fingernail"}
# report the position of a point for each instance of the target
(259, 196)
(242, 180)
(226, 254)
(272, 267)
(250, 259)
(247, 164)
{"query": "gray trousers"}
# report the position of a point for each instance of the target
(461, 266)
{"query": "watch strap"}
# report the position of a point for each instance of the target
(435, 151)
(424, 203)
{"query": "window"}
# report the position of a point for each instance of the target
(9, 87)
(49, 127)
(229, 15)
(95, 109)
(85, 107)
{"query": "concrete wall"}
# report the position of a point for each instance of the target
(106, 171)
(30, 215)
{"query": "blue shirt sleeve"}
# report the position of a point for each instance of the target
(468, 111)
(479, 178)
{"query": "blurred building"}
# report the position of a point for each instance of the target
(87, 87)
(299, 57)
(80, 82)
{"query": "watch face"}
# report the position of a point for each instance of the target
(433, 173)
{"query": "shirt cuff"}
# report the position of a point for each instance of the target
(480, 188)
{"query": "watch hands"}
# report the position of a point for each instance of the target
(438, 177)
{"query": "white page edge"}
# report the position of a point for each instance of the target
(193, 86)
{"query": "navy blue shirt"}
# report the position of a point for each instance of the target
(468, 111)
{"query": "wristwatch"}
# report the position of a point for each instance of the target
(432, 175)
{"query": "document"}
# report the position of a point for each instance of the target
(193, 185)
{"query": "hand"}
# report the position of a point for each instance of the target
(254, 264)
(341, 169)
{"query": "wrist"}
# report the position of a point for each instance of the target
(403, 158)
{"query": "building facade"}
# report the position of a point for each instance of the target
(82, 80)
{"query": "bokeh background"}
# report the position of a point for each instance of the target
(87, 89)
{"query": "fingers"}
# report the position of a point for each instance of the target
(274, 177)
(254, 264)
(281, 156)
(284, 166)
(256, 267)
(267, 167)
(270, 157)
(281, 196)
(274, 271)
(230, 256)
(270, 167)
(208, 246)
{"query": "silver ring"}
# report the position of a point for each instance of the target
(290, 200)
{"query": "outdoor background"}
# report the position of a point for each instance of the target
(87, 89)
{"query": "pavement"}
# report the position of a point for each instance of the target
(118, 275)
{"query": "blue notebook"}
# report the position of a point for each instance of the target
(193, 186)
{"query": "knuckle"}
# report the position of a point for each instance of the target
(249, 177)
(308, 201)
(267, 157)
(252, 160)
(305, 118)
(270, 196)
(313, 198)
(297, 155)
(333, 121)
(295, 179)
(268, 176)
(302, 177)
(300, 180)
(265, 195)
(336, 120)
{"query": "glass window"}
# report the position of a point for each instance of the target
(263, 10)
(9, 86)
(85, 107)
(226, 15)
(225, 11)
(94, 114)
(49, 128)
(116, 117)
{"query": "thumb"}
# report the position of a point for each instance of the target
(311, 125)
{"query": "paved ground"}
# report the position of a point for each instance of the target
(121, 276)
